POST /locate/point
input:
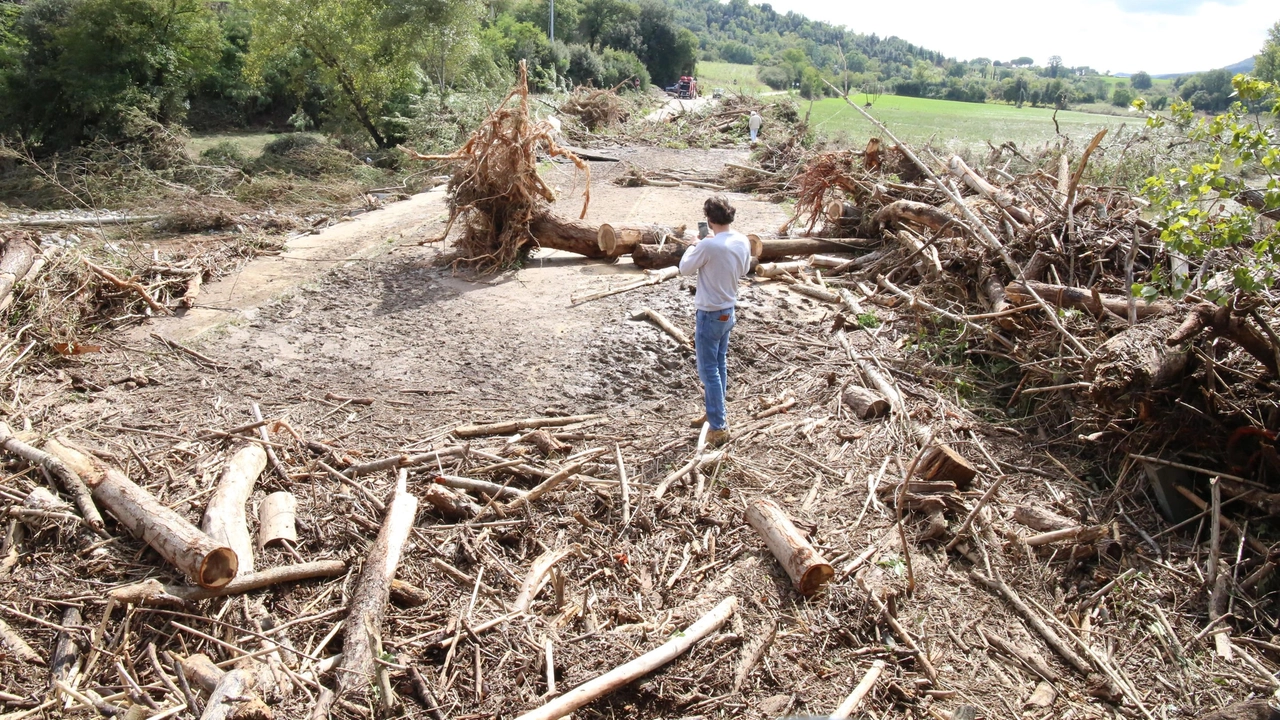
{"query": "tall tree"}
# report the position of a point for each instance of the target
(1140, 81)
(1267, 64)
(368, 51)
(598, 19)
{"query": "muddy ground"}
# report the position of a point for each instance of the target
(432, 348)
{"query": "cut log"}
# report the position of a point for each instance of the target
(575, 236)
(225, 520)
(866, 404)
(774, 249)
(654, 257)
(807, 569)
(407, 595)
(1135, 362)
(150, 592)
(1096, 304)
(277, 519)
(941, 463)
(231, 694)
(509, 426)
(625, 674)
(843, 212)
(71, 482)
(368, 604)
(827, 261)
(615, 240)
(778, 269)
(210, 564)
(17, 257)
(918, 213)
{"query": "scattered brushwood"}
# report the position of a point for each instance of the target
(595, 108)
(638, 177)
(496, 192)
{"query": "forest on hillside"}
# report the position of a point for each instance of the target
(382, 71)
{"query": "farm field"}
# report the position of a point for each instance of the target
(955, 124)
(730, 76)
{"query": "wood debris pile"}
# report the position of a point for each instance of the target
(595, 108)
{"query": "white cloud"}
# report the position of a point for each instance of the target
(1107, 35)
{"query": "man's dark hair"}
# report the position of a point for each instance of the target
(718, 210)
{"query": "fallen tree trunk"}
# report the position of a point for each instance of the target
(210, 564)
(774, 249)
(918, 213)
(509, 426)
(18, 256)
(615, 240)
(807, 569)
(1094, 303)
(225, 520)
(231, 694)
(72, 222)
(1137, 361)
(998, 299)
(654, 257)
(575, 236)
(637, 668)
(361, 642)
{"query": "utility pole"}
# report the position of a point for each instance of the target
(553, 20)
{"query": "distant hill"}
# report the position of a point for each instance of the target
(1243, 66)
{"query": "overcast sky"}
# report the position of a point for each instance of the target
(1121, 36)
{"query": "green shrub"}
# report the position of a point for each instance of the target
(225, 153)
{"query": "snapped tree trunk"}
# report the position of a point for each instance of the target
(210, 564)
(575, 236)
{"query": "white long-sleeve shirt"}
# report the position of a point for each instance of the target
(719, 262)
(754, 121)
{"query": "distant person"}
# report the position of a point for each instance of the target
(719, 261)
(754, 123)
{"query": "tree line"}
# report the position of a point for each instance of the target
(75, 70)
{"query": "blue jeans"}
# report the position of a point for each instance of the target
(711, 341)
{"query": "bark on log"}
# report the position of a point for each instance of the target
(1096, 304)
(368, 604)
(1136, 361)
(665, 325)
(19, 254)
(942, 464)
(637, 668)
(900, 211)
(778, 269)
(225, 518)
(866, 404)
(509, 426)
(575, 236)
(807, 569)
(855, 698)
(277, 519)
(1071, 534)
(231, 694)
(210, 564)
(71, 482)
(1220, 323)
(18, 646)
(615, 240)
(407, 595)
(71, 222)
(1040, 519)
(840, 212)
(654, 257)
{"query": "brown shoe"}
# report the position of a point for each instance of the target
(716, 438)
(698, 422)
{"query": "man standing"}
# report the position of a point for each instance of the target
(719, 261)
(753, 123)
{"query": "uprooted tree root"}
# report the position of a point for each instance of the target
(495, 188)
(595, 108)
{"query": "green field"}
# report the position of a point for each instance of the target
(731, 77)
(249, 143)
(954, 125)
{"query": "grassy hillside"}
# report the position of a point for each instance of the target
(954, 124)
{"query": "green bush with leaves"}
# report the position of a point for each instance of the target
(1208, 211)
